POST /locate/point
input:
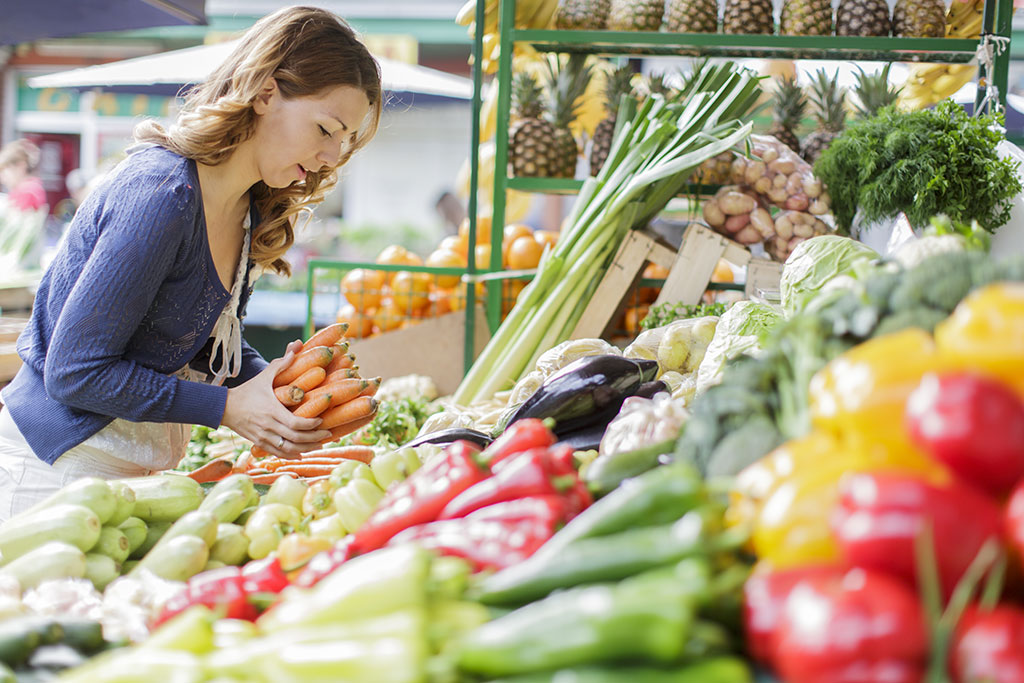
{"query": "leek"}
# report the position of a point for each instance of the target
(652, 156)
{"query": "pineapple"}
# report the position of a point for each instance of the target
(531, 139)
(619, 83)
(691, 16)
(919, 19)
(806, 18)
(788, 107)
(565, 86)
(863, 18)
(828, 102)
(748, 16)
(582, 15)
(636, 15)
(873, 92)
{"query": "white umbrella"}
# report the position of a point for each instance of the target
(167, 72)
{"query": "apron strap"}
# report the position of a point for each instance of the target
(227, 333)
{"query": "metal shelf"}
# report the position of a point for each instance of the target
(572, 186)
(886, 49)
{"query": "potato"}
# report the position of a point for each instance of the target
(739, 168)
(785, 166)
(796, 203)
(795, 184)
(769, 154)
(778, 195)
(763, 184)
(713, 213)
(755, 169)
(784, 227)
(734, 203)
(812, 187)
(818, 207)
(779, 181)
(748, 235)
(737, 223)
(803, 230)
(761, 220)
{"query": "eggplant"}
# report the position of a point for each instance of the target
(585, 392)
(585, 438)
(450, 435)
(649, 368)
(649, 389)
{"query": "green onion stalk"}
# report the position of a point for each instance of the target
(652, 157)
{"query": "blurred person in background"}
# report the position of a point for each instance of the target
(18, 161)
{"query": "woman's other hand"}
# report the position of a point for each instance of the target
(254, 412)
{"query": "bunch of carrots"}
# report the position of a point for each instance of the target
(321, 381)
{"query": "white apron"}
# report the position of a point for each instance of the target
(122, 448)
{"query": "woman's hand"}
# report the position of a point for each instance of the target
(254, 412)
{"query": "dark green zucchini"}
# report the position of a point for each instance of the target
(588, 391)
(451, 435)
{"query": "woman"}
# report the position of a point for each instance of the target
(135, 333)
(18, 161)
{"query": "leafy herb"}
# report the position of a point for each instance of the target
(396, 423)
(669, 312)
(922, 163)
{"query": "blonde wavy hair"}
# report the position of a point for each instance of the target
(306, 50)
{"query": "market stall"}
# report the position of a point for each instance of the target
(817, 478)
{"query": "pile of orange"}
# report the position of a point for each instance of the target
(380, 301)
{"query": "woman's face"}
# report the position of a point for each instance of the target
(305, 133)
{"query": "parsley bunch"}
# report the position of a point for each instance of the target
(668, 312)
(935, 161)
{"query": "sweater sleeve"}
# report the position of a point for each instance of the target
(142, 226)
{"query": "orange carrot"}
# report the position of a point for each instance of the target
(343, 373)
(341, 391)
(303, 470)
(347, 428)
(310, 379)
(318, 356)
(289, 394)
(355, 409)
(269, 478)
(340, 361)
(328, 336)
(215, 470)
(259, 452)
(372, 385)
(314, 405)
(361, 453)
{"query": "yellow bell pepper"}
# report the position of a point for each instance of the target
(986, 333)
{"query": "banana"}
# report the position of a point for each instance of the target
(525, 9)
(924, 74)
(468, 11)
(544, 16)
(947, 84)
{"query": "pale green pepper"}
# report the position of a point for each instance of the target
(286, 490)
(394, 466)
(268, 525)
(348, 470)
(356, 501)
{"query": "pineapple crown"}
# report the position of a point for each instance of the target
(874, 92)
(566, 85)
(828, 100)
(789, 103)
(619, 83)
(526, 95)
(656, 85)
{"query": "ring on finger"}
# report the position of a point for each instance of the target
(280, 442)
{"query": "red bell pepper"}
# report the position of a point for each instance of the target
(879, 517)
(264, 576)
(1013, 521)
(219, 589)
(989, 646)
(764, 594)
(494, 537)
(973, 424)
(421, 497)
(577, 495)
(520, 436)
(323, 564)
(853, 626)
(531, 473)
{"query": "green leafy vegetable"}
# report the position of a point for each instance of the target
(396, 423)
(814, 263)
(669, 312)
(922, 163)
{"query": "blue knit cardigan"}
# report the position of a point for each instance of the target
(131, 297)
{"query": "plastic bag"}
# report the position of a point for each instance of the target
(781, 177)
(678, 346)
(739, 332)
(714, 171)
(792, 228)
(739, 214)
(554, 359)
(643, 422)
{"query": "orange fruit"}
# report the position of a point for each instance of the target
(634, 314)
(524, 252)
(483, 230)
(546, 237)
(397, 255)
(410, 291)
(360, 324)
(512, 233)
(443, 258)
(453, 243)
(723, 272)
(411, 322)
(362, 288)
(442, 300)
(483, 257)
(388, 317)
(648, 295)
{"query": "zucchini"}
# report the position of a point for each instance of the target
(91, 492)
(226, 505)
(82, 635)
(53, 560)
(231, 546)
(154, 532)
(198, 523)
(124, 498)
(73, 524)
(235, 482)
(128, 566)
(101, 569)
(179, 559)
(21, 636)
(114, 544)
(135, 530)
(164, 498)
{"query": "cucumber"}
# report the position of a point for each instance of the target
(101, 569)
(226, 506)
(236, 482)
(135, 530)
(82, 635)
(74, 524)
(198, 523)
(53, 560)
(154, 532)
(91, 492)
(178, 559)
(231, 546)
(124, 498)
(21, 636)
(164, 498)
(113, 543)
